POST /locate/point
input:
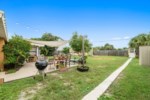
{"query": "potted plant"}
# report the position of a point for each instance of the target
(62, 67)
(82, 60)
(82, 64)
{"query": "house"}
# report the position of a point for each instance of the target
(3, 38)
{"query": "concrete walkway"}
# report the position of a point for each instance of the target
(102, 87)
(27, 70)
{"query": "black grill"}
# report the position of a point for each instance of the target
(41, 64)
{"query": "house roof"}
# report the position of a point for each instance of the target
(48, 43)
(3, 32)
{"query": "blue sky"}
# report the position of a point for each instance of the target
(101, 20)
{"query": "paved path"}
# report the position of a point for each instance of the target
(27, 70)
(102, 87)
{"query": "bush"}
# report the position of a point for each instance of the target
(16, 51)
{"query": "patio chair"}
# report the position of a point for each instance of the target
(56, 62)
(51, 62)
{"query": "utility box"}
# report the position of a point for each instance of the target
(144, 55)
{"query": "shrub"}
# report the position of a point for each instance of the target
(65, 50)
(16, 50)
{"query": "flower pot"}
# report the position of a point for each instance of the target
(63, 69)
(1, 80)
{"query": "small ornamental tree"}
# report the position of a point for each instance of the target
(76, 43)
(16, 50)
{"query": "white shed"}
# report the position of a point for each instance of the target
(144, 55)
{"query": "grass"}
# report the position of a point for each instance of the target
(11, 90)
(132, 84)
(70, 85)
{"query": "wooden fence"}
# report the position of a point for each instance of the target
(111, 52)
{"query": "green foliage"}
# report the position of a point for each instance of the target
(49, 37)
(76, 43)
(107, 46)
(140, 40)
(66, 50)
(46, 50)
(16, 50)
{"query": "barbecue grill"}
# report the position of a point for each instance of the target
(41, 65)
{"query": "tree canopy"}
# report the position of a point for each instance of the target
(48, 37)
(107, 46)
(76, 43)
(140, 40)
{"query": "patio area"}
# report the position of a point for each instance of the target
(27, 70)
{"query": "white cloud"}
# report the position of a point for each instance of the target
(17, 23)
(126, 37)
(27, 27)
(121, 38)
(36, 30)
(116, 38)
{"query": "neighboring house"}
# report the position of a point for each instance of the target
(3, 38)
(35, 51)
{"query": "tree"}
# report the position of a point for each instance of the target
(46, 50)
(66, 50)
(140, 40)
(50, 37)
(107, 46)
(16, 50)
(76, 43)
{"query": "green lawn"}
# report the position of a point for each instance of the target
(132, 84)
(70, 85)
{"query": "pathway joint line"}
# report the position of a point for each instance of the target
(102, 87)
